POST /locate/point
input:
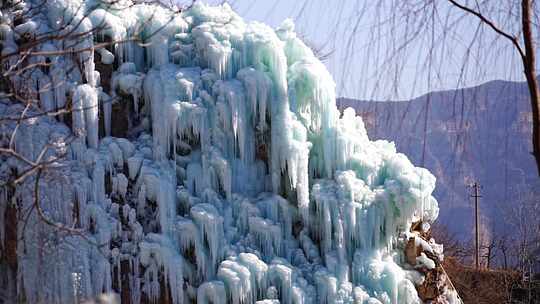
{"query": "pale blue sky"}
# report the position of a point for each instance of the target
(345, 29)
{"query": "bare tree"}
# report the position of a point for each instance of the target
(453, 246)
(523, 227)
(489, 248)
(527, 53)
(463, 40)
(503, 247)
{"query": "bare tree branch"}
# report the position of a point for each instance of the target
(492, 25)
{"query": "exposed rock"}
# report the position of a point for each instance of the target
(436, 284)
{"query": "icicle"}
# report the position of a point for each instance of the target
(166, 199)
(89, 68)
(257, 269)
(85, 113)
(157, 252)
(98, 178)
(211, 292)
(281, 276)
(267, 235)
(46, 94)
(237, 278)
(134, 166)
(59, 86)
(210, 224)
(120, 184)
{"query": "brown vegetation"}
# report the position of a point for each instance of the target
(487, 286)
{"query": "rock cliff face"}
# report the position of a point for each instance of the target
(198, 158)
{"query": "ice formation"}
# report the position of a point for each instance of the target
(235, 179)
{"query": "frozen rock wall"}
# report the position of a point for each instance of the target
(237, 180)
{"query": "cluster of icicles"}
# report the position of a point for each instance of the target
(239, 180)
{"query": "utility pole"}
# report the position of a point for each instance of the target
(476, 195)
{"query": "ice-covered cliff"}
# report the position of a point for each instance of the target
(201, 159)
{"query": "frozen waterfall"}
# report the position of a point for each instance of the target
(207, 163)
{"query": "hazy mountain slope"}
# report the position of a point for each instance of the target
(474, 134)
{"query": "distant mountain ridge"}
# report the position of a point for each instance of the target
(481, 134)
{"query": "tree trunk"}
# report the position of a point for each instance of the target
(529, 64)
(489, 256)
(505, 259)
